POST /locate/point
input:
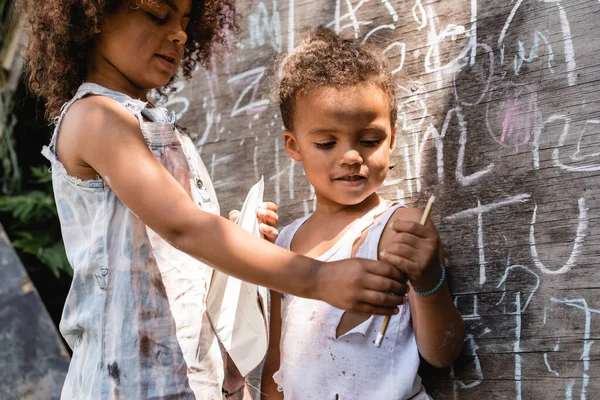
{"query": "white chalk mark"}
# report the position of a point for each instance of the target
(475, 313)
(517, 346)
(391, 10)
(569, 390)
(480, 245)
(380, 27)
(336, 19)
(520, 57)
(291, 24)
(351, 12)
(576, 156)
(422, 19)
(508, 21)
(521, 198)
(479, 211)
(471, 350)
(548, 365)
(587, 345)
(561, 141)
(462, 140)
(409, 176)
(568, 43)
(402, 47)
(261, 25)
(524, 268)
(473, 32)
(582, 226)
(253, 104)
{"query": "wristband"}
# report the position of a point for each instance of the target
(435, 288)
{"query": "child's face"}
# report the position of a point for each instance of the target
(343, 138)
(142, 43)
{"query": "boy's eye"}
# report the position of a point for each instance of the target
(157, 20)
(371, 143)
(324, 145)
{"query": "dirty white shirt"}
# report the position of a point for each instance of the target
(316, 365)
(135, 316)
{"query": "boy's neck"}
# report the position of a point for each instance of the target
(326, 208)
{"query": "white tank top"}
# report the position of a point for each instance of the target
(317, 365)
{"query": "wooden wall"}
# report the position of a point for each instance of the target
(499, 118)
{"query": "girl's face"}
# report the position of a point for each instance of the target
(141, 45)
(343, 138)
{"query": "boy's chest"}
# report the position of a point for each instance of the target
(316, 238)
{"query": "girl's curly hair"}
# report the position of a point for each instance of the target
(322, 58)
(62, 32)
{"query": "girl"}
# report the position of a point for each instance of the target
(338, 103)
(138, 213)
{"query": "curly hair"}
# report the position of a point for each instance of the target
(323, 58)
(62, 32)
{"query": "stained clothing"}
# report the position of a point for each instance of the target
(135, 314)
(314, 364)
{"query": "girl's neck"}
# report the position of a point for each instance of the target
(113, 79)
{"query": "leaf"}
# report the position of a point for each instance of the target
(34, 206)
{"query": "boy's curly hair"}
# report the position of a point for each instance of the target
(62, 32)
(322, 58)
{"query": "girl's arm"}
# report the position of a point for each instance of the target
(416, 250)
(268, 386)
(101, 135)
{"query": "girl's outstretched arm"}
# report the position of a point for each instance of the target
(99, 134)
(268, 387)
(416, 250)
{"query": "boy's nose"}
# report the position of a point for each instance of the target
(351, 157)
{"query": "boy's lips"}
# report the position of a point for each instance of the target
(352, 179)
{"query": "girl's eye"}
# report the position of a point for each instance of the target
(324, 146)
(371, 143)
(157, 20)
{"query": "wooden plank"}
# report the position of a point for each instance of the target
(500, 119)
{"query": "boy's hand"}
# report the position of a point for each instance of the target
(414, 251)
(267, 218)
(361, 285)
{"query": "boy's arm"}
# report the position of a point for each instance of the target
(416, 250)
(268, 386)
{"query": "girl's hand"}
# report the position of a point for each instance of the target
(413, 249)
(361, 285)
(267, 218)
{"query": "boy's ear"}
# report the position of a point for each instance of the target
(393, 138)
(291, 145)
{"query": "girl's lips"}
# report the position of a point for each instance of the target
(166, 61)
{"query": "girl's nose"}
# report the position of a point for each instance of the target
(351, 157)
(178, 36)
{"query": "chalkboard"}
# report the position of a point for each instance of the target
(499, 118)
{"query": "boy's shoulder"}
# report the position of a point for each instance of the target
(400, 214)
(286, 234)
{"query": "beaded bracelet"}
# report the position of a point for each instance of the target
(435, 288)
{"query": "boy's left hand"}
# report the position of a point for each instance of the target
(413, 249)
(267, 218)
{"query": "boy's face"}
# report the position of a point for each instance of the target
(142, 43)
(343, 138)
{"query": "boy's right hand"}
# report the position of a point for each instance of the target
(361, 285)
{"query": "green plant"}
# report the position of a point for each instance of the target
(36, 230)
(10, 180)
